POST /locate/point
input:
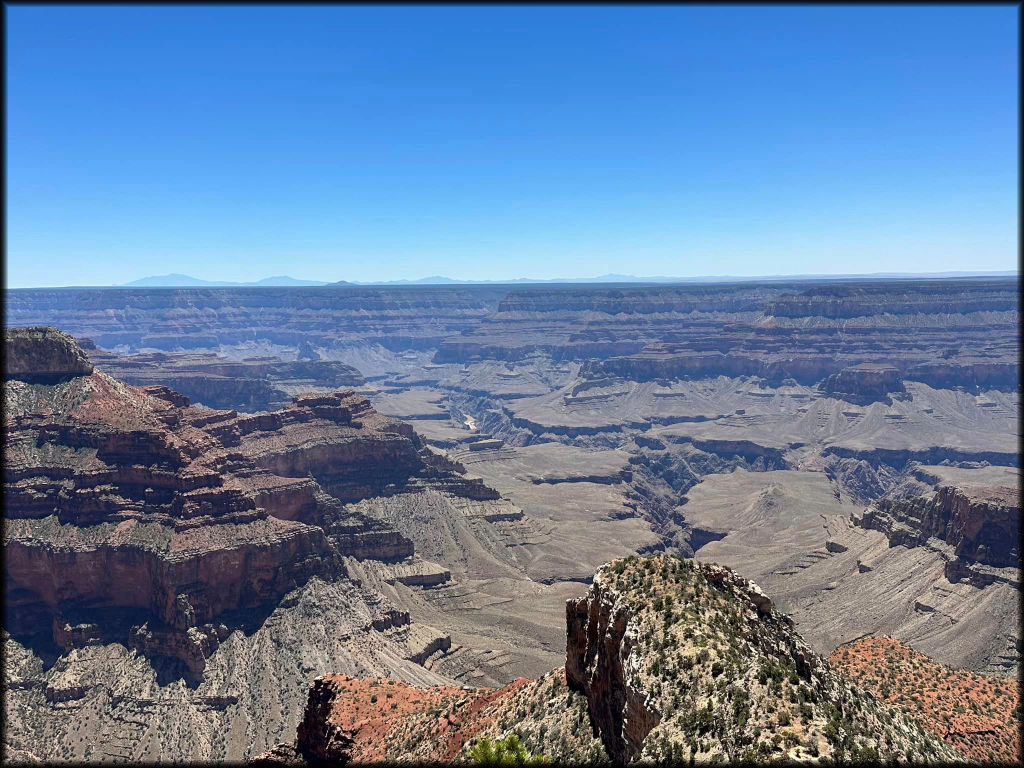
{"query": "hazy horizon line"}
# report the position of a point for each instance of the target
(286, 281)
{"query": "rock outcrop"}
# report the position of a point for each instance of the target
(865, 383)
(977, 517)
(380, 720)
(666, 659)
(43, 353)
(682, 661)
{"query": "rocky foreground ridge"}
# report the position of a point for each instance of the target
(665, 659)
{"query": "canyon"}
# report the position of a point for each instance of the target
(410, 482)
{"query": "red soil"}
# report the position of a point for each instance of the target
(388, 718)
(976, 714)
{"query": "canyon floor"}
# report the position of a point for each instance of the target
(850, 447)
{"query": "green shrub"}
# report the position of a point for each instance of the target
(507, 751)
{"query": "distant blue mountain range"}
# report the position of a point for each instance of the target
(186, 281)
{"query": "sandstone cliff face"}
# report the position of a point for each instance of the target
(979, 521)
(43, 352)
(681, 660)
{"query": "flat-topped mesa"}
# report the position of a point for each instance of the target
(682, 660)
(861, 299)
(981, 374)
(42, 352)
(865, 383)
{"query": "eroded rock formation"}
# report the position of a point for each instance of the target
(132, 516)
(251, 384)
(977, 514)
(865, 383)
(43, 352)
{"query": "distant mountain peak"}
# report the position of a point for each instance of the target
(176, 280)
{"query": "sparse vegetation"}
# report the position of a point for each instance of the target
(507, 751)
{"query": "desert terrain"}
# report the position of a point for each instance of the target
(851, 447)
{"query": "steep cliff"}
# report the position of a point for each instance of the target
(865, 384)
(43, 352)
(976, 514)
(681, 660)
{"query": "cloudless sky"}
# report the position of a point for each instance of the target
(368, 143)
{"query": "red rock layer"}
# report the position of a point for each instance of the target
(128, 499)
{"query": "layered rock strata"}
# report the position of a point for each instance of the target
(209, 318)
(945, 333)
(136, 517)
(778, 331)
(251, 384)
(978, 518)
(865, 384)
(42, 353)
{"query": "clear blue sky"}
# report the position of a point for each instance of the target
(235, 143)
